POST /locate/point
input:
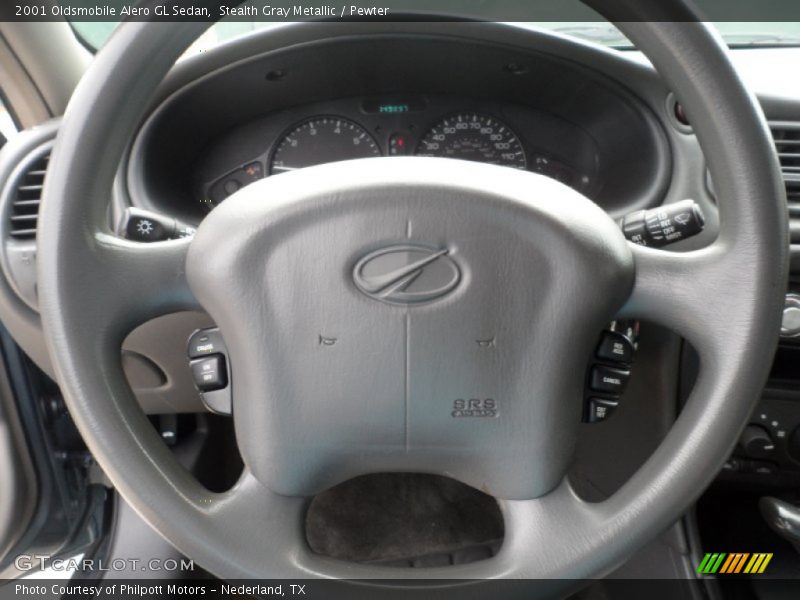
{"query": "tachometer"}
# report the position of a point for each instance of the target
(322, 140)
(474, 137)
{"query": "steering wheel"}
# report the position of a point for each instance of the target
(333, 250)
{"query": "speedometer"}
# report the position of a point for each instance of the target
(474, 137)
(322, 140)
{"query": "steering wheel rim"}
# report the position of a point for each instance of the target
(698, 294)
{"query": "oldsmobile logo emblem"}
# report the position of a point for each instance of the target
(407, 274)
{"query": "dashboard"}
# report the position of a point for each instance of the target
(402, 125)
(390, 95)
(599, 120)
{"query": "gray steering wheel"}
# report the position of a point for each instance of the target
(276, 266)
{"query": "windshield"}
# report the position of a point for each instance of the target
(735, 34)
(743, 34)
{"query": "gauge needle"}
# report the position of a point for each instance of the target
(277, 168)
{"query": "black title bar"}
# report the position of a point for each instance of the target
(397, 10)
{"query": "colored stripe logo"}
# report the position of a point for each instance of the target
(733, 563)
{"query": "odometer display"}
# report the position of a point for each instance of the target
(474, 137)
(322, 140)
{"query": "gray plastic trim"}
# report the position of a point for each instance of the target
(18, 257)
(21, 319)
(159, 342)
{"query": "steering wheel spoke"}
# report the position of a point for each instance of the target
(141, 281)
(681, 291)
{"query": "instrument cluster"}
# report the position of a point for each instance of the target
(501, 134)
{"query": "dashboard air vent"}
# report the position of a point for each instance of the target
(28, 195)
(793, 191)
(787, 142)
(793, 197)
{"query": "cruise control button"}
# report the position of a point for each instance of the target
(600, 409)
(210, 373)
(206, 342)
(609, 379)
(615, 347)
